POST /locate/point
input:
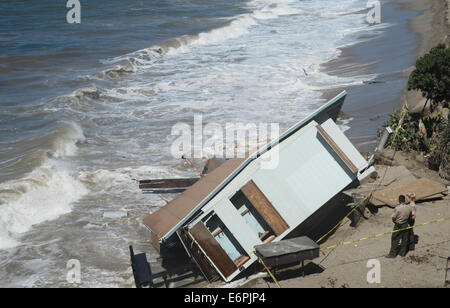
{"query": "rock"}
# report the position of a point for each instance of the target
(415, 103)
(344, 116)
(373, 81)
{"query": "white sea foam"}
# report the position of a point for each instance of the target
(343, 125)
(6, 240)
(122, 179)
(44, 194)
(236, 27)
(66, 143)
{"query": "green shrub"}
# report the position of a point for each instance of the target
(408, 137)
(405, 137)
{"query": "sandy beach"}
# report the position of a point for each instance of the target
(432, 25)
(347, 266)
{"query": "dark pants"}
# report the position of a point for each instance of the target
(412, 238)
(397, 237)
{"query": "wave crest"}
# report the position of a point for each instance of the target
(45, 193)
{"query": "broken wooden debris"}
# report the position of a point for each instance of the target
(210, 165)
(386, 176)
(167, 183)
(192, 165)
(392, 181)
(423, 188)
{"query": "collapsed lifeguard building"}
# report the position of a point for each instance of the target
(239, 204)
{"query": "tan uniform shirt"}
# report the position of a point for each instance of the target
(401, 214)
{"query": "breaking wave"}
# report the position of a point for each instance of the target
(234, 28)
(45, 193)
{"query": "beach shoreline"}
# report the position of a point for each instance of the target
(414, 29)
(433, 27)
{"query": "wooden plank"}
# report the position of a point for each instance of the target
(213, 249)
(423, 188)
(245, 212)
(242, 260)
(269, 239)
(167, 183)
(337, 149)
(264, 207)
(217, 232)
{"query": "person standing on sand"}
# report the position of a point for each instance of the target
(400, 218)
(410, 200)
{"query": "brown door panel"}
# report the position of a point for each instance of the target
(264, 207)
(213, 249)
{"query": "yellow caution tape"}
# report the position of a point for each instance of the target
(267, 269)
(384, 233)
(270, 273)
(436, 114)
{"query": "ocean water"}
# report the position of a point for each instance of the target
(85, 109)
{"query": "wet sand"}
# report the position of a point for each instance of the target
(416, 26)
